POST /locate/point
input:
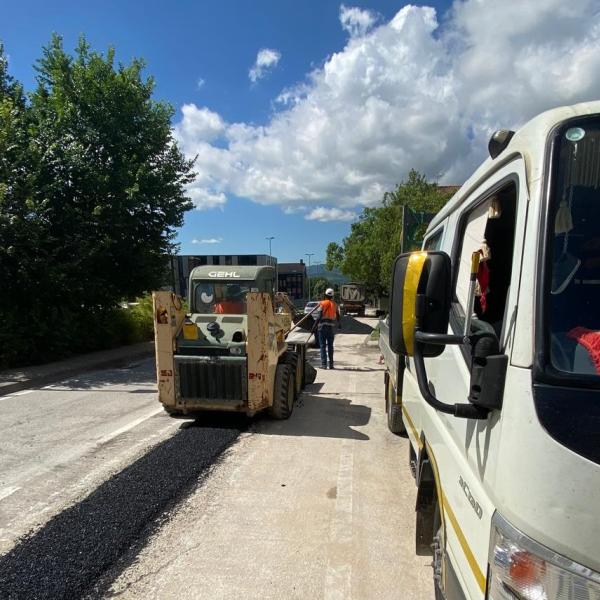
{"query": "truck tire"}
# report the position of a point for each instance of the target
(438, 548)
(394, 411)
(283, 394)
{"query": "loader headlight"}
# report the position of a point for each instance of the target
(523, 569)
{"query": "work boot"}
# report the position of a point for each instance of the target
(323, 366)
(331, 365)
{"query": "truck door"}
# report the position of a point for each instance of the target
(492, 221)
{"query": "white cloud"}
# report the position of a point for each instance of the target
(200, 83)
(204, 199)
(404, 94)
(330, 214)
(266, 59)
(355, 20)
(207, 241)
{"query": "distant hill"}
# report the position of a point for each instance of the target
(334, 276)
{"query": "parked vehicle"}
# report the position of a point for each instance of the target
(353, 299)
(493, 359)
(310, 306)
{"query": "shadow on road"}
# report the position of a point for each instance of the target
(319, 416)
(353, 326)
(141, 372)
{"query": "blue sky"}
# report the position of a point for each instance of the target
(216, 42)
(360, 94)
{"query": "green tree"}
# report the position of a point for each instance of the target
(92, 189)
(334, 256)
(368, 253)
(318, 285)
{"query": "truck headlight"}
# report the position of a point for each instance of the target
(523, 569)
(235, 350)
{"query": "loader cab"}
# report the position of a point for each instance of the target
(217, 291)
(218, 306)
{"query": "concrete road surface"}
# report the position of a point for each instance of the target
(125, 502)
(319, 506)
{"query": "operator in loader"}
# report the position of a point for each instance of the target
(328, 314)
(233, 302)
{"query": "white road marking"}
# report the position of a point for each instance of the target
(129, 426)
(8, 491)
(23, 392)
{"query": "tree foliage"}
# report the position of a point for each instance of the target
(92, 187)
(368, 253)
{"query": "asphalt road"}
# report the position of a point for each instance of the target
(103, 495)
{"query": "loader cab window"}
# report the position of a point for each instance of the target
(225, 298)
(488, 228)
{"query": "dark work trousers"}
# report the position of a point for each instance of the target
(326, 336)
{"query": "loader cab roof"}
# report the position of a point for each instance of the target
(232, 273)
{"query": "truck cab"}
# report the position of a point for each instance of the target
(497, 326)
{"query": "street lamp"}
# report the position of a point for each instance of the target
(270, 238)
(309, 254)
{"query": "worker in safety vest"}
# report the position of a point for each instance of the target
(328, 314)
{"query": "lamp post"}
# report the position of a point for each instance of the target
(309, 254)
(270, 239)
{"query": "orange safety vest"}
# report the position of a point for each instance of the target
(328, 310)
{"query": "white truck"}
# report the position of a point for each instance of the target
(493, 354)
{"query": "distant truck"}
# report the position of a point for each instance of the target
(353, 299)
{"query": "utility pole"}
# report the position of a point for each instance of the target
(309, 254)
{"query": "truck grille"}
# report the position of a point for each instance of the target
(211, 380)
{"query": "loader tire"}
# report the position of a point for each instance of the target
(293, 360)
(283, 394)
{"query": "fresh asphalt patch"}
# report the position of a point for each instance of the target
(68, 555)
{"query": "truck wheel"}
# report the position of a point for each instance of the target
(438, 548)
(394, 411)
(283, 394)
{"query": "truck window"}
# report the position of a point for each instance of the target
(573, 286)
(488, 228)
(434, 241)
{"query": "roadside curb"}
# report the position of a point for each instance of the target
(15, 380)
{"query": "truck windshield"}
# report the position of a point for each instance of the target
(221, 298)
(574, 290)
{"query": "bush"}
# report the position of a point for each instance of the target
(60, 333)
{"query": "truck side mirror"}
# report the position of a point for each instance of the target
(419, 317)
(421, 298)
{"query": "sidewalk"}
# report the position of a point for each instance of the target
(14, 380)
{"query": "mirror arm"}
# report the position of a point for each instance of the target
(440, 338)
(466, 411)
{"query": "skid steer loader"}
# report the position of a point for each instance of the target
(233, 350)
